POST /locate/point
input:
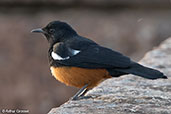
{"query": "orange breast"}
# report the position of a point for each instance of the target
(78, 77)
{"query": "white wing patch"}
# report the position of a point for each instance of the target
(55, 56)
(75, 52)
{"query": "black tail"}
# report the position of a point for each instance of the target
(143, 71)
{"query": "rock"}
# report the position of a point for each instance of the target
(129, 94)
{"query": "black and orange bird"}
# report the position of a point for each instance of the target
(80, 62)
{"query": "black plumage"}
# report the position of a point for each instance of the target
(93, 55)
(73, 50)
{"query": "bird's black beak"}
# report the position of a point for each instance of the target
(38, 30)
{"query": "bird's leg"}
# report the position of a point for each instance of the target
(80, 93)
(84, 92)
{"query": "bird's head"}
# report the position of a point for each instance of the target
(56, 31)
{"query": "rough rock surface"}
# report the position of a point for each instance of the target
(129, 94)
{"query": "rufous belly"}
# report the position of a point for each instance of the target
(78, 77)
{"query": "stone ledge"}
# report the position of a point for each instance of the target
(129, 94)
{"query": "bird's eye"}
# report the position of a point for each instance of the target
(51, 31)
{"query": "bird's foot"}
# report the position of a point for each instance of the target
(80, 97)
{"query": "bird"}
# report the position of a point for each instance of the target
(80, 62)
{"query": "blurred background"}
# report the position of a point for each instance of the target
(132, 27)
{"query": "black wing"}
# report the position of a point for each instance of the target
(96, 56)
